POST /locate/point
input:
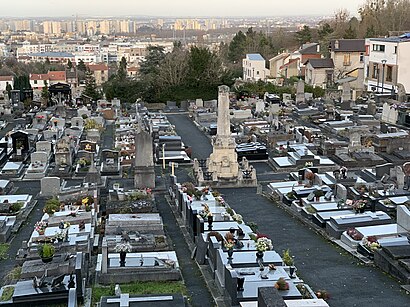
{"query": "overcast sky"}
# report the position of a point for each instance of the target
(50, 8)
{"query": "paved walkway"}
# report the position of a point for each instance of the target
(24, 187)
(196, 286)
(320, 263)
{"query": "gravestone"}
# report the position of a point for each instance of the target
(184, 105)
(346, 95)
(50, 186)
(39, 157)
(88, 146)
(144, 164)
(383, 169)
(63, 152)
(110, 161)
(287, 98)
(20, 143)
(341, 191)
(300, 92)
(44, 146)
(371, 108)
(77, 121)
(199, 103)
(260, 106)
(270, 297)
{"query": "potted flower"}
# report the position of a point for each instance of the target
(318, 193)
(281, 284)
(238, 218)
(46, 252)
(263, 244)
(229, 245)
(288, 260)
(371, 243)
(52, 206)
(359, 205)
(40, 227)
(123, 248)
(323, 294)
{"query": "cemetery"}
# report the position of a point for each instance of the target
(91, 205)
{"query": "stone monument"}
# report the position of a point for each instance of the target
(144, 164)
(300, 92)
(346, 96)
(224, 160)
(222, 168)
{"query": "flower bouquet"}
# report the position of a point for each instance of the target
(40, 227)
(359, 205)
(354, 234)
(371, 243)
(123, 247)
(238, 218)
(263, 244)
(229, 245)
(281, 284)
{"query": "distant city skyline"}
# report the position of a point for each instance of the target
(174, 8)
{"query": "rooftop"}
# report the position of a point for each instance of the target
(321, 63)
(254, 57)
(347, 45)
(394, 39)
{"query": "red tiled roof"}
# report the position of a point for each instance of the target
(6, 78)
(132, 69)
(95, 67)
(289, 63)
(39, 77)
(56, 75)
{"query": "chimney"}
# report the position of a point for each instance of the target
(318, 48)
(336, 44)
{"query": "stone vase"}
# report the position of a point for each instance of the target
(230, 253)
(47, 259)
(123, 255)
(259, 255)
(291, 271)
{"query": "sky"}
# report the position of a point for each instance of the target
(194, 8)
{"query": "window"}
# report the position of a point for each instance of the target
(346, 59)
(389, 73)
(257, 72)
(361, 57)
(35, 81)
(379, 48)
(375, 71)
(367, 71)
(395, 49)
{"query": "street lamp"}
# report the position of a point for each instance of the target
(384, 65)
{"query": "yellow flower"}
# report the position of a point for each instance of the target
(85, 201)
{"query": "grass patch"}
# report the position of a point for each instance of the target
(149, 287)
(7, 294)
(13, 275)
(4, 248)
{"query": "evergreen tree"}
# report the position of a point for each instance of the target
(324, 31)
(236, 50)
(304, 36)
(81, 66)
(122, 69)
(69, 64)
(45, 95)
(9, 89)
(91, 86)
(155, 56)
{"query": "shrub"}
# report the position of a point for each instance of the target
(287, 258)
(16, 207)
(46, 250)
(52, 205)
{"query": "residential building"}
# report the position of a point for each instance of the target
(347, 54)
(38, 81)
(254, 67)
(4, 80)
(132, 72)
(275, 65)
(57, 77)
(53, 57)
(100, 72)
(319, 72)
(387, 64)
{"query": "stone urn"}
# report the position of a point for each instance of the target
(259, 255)
(123, 255)
(230, 253)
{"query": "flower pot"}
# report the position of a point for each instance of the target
(361, 210)
(291, 271)
(41, 232)
(259, 255)
(230, 253)
(240, 281)
(47, 259)
(122, 258)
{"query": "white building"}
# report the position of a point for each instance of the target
(254, 67)
(4, 80)
(387, 63)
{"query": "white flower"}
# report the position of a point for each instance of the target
(123, 247)
(264, 244)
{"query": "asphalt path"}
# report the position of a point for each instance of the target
(319, 262)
